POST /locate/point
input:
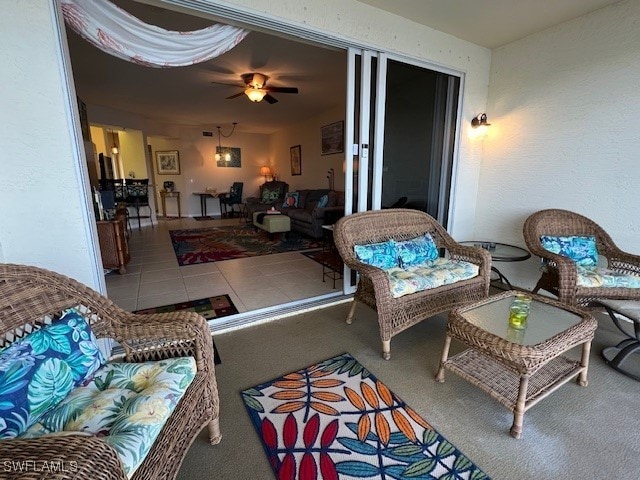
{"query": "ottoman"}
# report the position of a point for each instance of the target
(272, 223)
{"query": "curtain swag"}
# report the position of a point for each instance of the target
(122, 35)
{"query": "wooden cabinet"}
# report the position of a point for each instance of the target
(114, 247)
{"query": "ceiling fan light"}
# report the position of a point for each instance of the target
(258, 80)
(255, 94)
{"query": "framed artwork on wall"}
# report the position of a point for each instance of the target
(229, 157)
(332, 138)
(296, 160)
(168, 162)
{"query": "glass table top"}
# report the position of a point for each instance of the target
(544, 321)
(500, 252)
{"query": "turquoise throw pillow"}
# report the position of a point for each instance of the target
(291, 200)
(323, 202)
(38, 371)
(382, 255)
(580, 249)
(417, 251)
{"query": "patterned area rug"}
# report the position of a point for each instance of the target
(213, 244)
(335, 420)
(210, 308)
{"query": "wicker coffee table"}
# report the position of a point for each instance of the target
(518, 367)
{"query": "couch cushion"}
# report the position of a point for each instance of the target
(126, 404)
(429, 275)
(381, 255)
(300, 214)
(416, 251)
(39, 370)
(580, 249)
(604, 277)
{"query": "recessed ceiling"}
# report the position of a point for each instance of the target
(489, 23)
(186, 96)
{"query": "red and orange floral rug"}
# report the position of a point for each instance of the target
(335, 420)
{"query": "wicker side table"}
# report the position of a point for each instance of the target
(518, 367)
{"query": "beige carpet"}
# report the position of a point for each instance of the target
(583, 433)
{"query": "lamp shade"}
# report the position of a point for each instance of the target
(265, 171)
(255, 94)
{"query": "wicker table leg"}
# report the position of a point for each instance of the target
(584, 363)
(443, 359)
(518, 413)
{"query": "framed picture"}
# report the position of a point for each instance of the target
(168, 162)
(333, 138)
(233, 154)
(296, 160)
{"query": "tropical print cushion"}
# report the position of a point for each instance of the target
(416, 251)
(603, 277)
(442, 271)
(580, 249)
(39, 370)
(126, 405)
(291, 200)
(382, 255)
(270, 196)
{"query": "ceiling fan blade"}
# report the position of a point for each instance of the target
(269, 99)
(235, 96)
(281, 89)
(228, 84)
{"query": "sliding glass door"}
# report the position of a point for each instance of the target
(400, 133)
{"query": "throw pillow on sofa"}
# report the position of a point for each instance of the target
(323, 202)
(291, 200)
(38, 371)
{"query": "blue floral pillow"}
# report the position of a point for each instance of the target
(580, 249)
(291, 200)
(382, 255)
(39, 370)
(417, 251)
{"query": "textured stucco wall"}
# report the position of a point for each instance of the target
(565, 111)
(43, 217)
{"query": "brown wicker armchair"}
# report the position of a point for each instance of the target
(559, 275)
(398, 314)
(27, 296)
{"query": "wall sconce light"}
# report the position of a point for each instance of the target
(114, 146)
(220, 154)
(480, 121)
(266, 171)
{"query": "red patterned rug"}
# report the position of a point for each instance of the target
(214, 244)
(335, 420)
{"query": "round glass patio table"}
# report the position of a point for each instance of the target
(500, 252)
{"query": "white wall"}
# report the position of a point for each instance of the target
(198, 168)
(43, 196)
(565, 111)
(314, 165)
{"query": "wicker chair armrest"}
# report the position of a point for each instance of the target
(165, 335)
(624, 261)
(476, 255)
(378, 277)
(61, 457)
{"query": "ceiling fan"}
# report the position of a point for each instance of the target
(256, 89)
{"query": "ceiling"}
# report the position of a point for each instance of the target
(489, 23)
(186, 95)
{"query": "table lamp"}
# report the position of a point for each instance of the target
(266, 171)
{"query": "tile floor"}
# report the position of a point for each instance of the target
(154, 278)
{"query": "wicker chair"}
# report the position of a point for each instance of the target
(398, 314)
(559, 275)
(28, 295)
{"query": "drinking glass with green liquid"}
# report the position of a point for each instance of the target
(519, 311)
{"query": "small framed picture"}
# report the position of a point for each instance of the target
(296, 160)
(332, 138)
(168, 162)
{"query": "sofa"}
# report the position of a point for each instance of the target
(69, 410)
(307, 209)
